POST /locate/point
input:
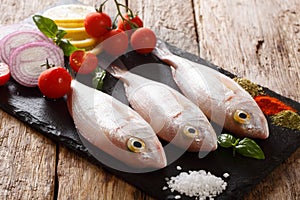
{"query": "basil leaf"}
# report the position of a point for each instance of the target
(66, 46)
(60, 34)
(98, 79)
(45, 25)
(48, 27)
(226, 140)
(248, 147)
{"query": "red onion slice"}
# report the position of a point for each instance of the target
(16, 39)
(25, 61)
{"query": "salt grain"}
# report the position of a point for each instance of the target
(199, 184)
(178, 168)
(225, 175)
(177, 197)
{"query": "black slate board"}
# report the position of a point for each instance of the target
(51, 118)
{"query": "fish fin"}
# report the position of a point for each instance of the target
(117, 71)
(69, 102)
(228, 83)
(162, 52)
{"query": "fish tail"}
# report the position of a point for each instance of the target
(161, 50)
(116, 71)
(163, 53)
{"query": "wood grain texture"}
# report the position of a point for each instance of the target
(27, 161)
(172, 21)
(259, 40)
(255, 39)
(79, 179)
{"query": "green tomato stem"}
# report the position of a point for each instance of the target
(234, 145)
(236, 142)
(100, 9)
(118, 5)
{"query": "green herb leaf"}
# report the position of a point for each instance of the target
(98, 79)
(60, 34)
(226, 140)
(46, 26)
(248, 147)
(67, 47)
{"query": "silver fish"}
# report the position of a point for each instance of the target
(114, 128)
(172, 116)
(218, 96)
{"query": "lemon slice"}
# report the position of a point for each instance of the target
(76, 33)
(87, 44)
(74, 13)
(69, 24)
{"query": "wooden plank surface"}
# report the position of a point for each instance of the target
(27, 161)
(259, 40)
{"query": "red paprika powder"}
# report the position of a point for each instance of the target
(271, 105)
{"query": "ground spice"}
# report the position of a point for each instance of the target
(287, 119)
(252, 88)
(271, 105)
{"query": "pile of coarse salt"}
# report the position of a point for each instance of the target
(198, 184)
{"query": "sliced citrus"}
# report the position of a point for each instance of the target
(76, 33)
(69, 24)
(68, 13)
(87, 44)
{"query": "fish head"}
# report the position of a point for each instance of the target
(197, 135)
(144, 149)
(244, 118)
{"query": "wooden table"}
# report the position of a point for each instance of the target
(259, 40)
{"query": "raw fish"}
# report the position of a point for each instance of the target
(172, 116)
(218, 96)
(114, 128)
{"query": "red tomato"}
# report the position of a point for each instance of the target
(82, 62)
(116, 42)
(4, 73)
(55, 82)
(97, 24)
(143, 40)
(135, 20)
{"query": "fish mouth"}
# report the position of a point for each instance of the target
(156, 160)
(153, 157)
(208, 144)
(260, 130)
(263, 131)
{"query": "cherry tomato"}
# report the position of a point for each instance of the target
(55, 82)
(116, 42)
(97, 24)
(135, 20)
(83, 62)
(143, 40)
(4, 73)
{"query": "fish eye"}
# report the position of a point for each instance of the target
(241, 117)
(135, 145)
(190, 131)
